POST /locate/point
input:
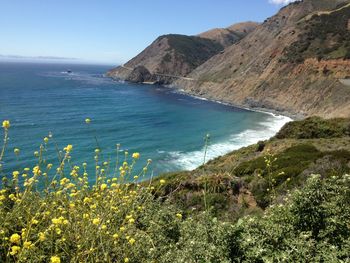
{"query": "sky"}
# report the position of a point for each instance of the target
(113, 31)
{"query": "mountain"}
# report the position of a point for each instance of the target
(297, 62)
(294, 62)
(171, 56)
(230, 35)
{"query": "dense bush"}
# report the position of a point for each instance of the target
(315, 128)
(324, 36)
(312, 225)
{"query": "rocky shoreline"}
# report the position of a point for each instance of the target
(257, 108)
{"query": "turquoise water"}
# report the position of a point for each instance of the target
(162, 125)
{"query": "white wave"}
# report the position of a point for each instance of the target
(191, 160)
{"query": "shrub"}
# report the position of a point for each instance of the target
(312, 225)
(54, 214)
(315, 128)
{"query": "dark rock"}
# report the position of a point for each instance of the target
(140, 74)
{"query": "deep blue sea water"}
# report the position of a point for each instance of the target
(161, 124)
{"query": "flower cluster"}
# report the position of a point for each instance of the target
(64, 214)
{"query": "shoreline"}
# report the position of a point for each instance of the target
(232, 142)
(285, 113)
(292, 116)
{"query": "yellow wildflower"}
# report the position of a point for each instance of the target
(132, 241)
(27, 244)
(87, 121)
(58, 231)
(36, 170)
(103, 186)
(136, 155)
(126, 260)
(15, 238)
(68, 148)
(55, 259)
(162, 181)
(14, 250)
(46, 139)
(12, 197)
(96, 221)
(16, 151)
(87, 200)
(115, 236)
(42, 236)
(15, 174)
(179, 216)
(6, 124)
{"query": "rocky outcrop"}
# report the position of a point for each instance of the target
(140, 74)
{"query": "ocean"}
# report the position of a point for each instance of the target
(158, 122)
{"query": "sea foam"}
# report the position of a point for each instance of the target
(266, 129)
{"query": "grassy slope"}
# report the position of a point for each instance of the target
(325, 36)
(237, 183)
(194, 50)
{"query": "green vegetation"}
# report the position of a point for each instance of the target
(194, 50)
(323, 36)
(310, 225)
(315, 128)
(261, 203)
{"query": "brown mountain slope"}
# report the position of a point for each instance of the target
(178, 55)
(292, 62)
(171, 54)
(228, 36)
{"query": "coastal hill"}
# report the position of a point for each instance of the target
(178, 55)
(230, 35)
(238, 183)
(296, 62)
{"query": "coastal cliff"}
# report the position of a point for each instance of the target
(295, 63)
(172, 56)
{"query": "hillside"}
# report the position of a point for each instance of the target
(242, 182)
(178, 55)
(294, 62)
(230, 35)
(282, 200)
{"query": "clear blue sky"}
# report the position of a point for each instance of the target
(113, 31)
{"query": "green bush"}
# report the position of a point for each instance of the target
(315, 128)
(312, 225)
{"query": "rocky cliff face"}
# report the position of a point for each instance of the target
(291, 63)
(295, 62)
(178, 55)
